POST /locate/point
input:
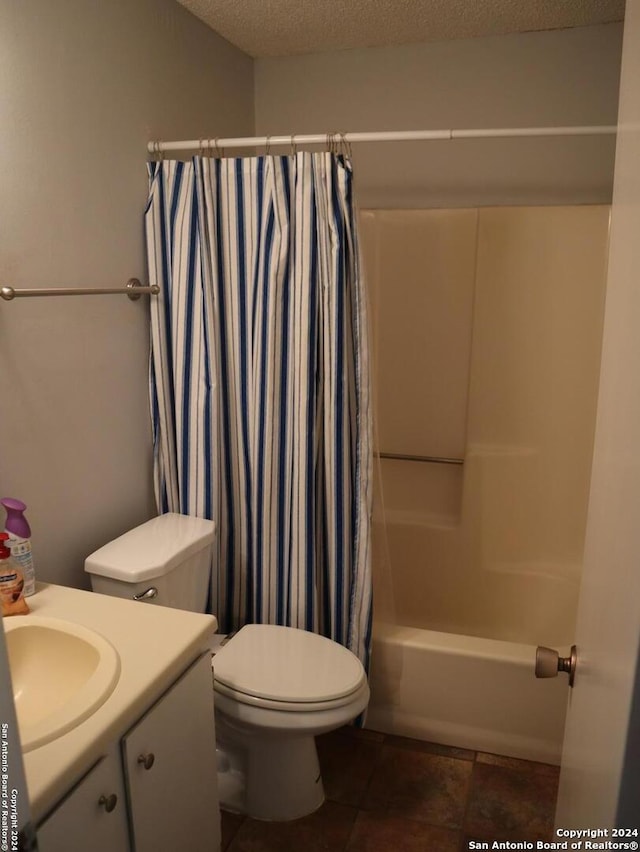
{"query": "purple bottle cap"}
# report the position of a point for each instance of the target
(16, 521)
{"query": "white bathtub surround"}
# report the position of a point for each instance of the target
(488, 553)
(438, 585)
(465, 691)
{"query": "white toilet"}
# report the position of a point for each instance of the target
(275, 688)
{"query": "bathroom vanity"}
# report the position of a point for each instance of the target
(139, 773)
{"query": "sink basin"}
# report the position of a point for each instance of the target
(61, 673)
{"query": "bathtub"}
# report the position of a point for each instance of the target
(454, 651)
(465, 691)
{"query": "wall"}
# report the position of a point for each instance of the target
(85, 85)
(562, 77)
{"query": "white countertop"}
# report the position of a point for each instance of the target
(155, 644)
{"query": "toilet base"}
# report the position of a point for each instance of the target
(274, 779)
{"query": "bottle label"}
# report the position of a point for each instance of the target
(18, 546)
(21, 552)
(12, 600)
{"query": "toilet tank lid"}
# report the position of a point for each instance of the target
(152, 549)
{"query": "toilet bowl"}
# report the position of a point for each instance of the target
(275, 688)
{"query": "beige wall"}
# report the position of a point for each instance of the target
(85, 84)
(562, 77)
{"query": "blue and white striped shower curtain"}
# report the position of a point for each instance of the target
(259, 383)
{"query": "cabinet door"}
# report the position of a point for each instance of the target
(93, 815)
(170, 769)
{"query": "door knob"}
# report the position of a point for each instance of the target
(549, 663)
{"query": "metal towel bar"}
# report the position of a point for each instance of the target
(133, 290)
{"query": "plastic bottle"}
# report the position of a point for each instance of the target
(12, 600)
(19, 541)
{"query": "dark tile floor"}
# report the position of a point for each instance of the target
(392, 794)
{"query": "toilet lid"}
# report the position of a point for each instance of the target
(287, 664)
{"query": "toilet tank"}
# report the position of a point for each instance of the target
(165, 561)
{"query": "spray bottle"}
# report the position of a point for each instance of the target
(19, 541)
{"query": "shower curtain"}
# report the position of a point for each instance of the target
(259, 384)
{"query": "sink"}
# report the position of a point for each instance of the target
(61, 673)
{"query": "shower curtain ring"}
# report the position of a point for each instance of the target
(294, 147)
(267, 149)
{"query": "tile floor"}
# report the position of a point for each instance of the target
(393, 794)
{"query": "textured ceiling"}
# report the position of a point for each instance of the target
(286, 27)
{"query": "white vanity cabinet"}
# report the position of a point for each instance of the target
(162, 775)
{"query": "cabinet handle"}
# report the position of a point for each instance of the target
(147, 760)
(108, 802)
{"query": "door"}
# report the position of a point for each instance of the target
(95, 808)
(600, 780)
(170, 766)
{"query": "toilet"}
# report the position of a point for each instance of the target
(275, 688)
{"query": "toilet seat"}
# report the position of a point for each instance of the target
(284, 668)
(289, 706)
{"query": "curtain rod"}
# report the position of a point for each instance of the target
(383, 136)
